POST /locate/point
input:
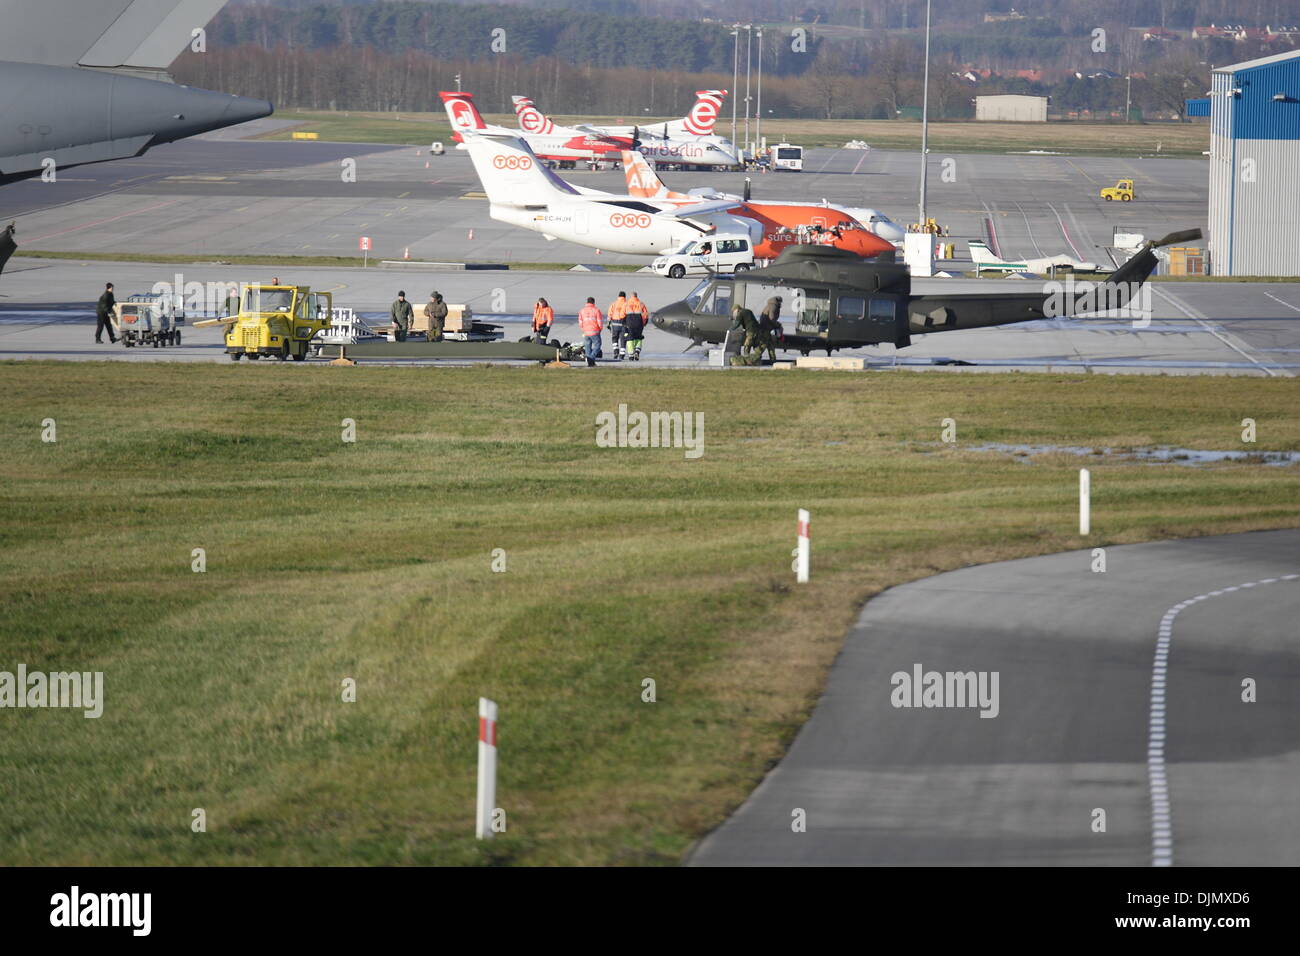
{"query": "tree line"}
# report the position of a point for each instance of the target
(833, 87)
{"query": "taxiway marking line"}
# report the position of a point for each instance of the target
(1162, 834)
(100, 222)
(1282, 302)
(1197, 317)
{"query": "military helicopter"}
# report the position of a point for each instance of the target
(842, 301)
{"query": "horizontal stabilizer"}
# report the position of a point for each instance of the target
(108, 34)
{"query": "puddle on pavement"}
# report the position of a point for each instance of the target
(1159, 455)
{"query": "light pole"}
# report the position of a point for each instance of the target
(925, 116)
(1128, 98)
(735, 73)
(758, 111)
(749, 47)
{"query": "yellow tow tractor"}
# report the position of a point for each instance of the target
(1122, 190)
(274, 320)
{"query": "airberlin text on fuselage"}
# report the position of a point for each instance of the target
(686, 150)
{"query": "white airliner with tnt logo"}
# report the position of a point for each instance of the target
(689, 140)
(522, 191)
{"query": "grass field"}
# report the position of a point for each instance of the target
(1091, 139)
(371, 560)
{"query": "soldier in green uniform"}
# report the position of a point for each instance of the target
(742, 318)
(401, 315)
(769, 326)
(436, 313)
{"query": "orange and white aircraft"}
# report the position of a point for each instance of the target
(783, 223)
(690, 140)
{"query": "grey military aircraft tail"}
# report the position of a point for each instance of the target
(86, 81)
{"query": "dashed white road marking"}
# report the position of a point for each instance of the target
(1162, 834)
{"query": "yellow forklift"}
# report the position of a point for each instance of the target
(274, 320)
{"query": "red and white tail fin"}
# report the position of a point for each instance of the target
(642, 181)
(704, 114)
(530, 117)
(462, 112)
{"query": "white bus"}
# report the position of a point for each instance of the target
(786, 156)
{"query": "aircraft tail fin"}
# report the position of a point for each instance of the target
(462, 112)
(511, 173)
(531, 119)
(981, 254)
(704, 113)
(642, 180)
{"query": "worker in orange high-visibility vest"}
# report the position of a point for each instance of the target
(617, 330)
(634, 322)
(591, 322)
(543, 319)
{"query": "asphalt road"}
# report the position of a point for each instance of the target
(1084, 709)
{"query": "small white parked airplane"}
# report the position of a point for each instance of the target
(986, 261)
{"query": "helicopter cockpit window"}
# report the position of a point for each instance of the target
(722, 299)
(699, 298)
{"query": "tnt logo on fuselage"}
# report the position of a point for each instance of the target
(631, 220)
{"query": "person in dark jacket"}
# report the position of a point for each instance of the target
(769, 326)
(401, 315)
(436, 312)
(743, 319)
(104, 315)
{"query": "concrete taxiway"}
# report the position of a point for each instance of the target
(47, 311)
(218, 195)
(1084, 709)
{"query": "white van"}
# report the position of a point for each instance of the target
(716, 253)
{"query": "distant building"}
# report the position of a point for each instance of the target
(1011, 108)
(1003, 17)
(1254, 166)
(1158, 35)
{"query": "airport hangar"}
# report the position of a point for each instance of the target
(1255, 167)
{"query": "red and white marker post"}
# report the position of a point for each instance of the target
(803, 547)
(487, 767)
(1085, 501)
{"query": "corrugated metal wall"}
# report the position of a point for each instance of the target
(1255, 170)
(1222, 180)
